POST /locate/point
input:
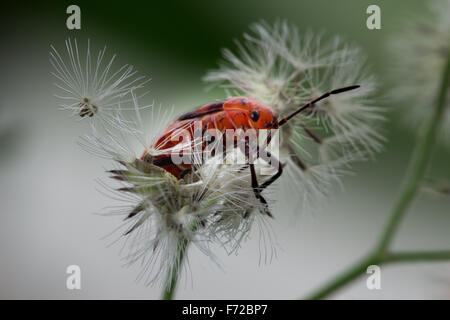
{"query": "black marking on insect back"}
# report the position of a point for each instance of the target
(163, 161)
(243, 102)
(212, 108)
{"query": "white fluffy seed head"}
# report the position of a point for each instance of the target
(215, 203)
(420, 49)
(285, 69)
(90, 85)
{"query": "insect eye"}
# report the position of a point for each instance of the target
(254, 115)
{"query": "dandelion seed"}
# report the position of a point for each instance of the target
(89, 86)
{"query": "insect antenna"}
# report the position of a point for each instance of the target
(311, 103)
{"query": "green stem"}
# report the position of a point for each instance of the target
(345, 277)
(418, 256)
(173, 273)
(359, 268)
(418, 164)
(413, 176)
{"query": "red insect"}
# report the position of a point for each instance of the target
(233, 113)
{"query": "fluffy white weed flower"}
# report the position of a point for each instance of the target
(285, 70)
(420, 50)
(214, 203)
(89, 85)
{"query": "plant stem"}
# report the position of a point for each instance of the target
(418, 256)
(345, 277)
(359, 268)
(413, 176)
(418, 164)
(173, 273)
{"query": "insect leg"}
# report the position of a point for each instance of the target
(257, 190)
(276, 164)
(255, 186)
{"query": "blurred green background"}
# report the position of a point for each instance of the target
(48, 189)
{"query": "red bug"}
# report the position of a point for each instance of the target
(233, 113)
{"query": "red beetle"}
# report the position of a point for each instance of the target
(233, 113)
